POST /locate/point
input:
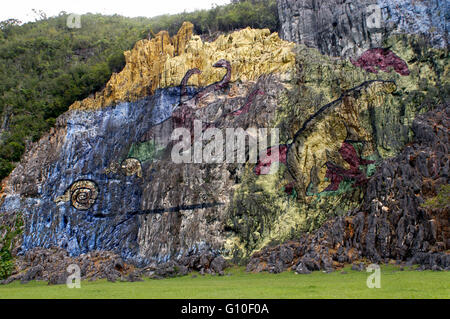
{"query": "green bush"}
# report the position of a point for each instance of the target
(6, 246)
(5, 168)
(441, 200)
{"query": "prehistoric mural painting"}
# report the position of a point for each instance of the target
(128, 167)
(318, 166)
(82, 194)
(313, 164)
(343, 168)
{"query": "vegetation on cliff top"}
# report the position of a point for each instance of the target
(46, 66)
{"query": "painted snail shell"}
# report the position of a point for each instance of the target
(131, 166)
(82, 194)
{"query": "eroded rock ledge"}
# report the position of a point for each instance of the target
(51, 264)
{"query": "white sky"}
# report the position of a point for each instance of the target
(22, 9)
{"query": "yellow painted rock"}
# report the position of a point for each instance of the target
(163, 61)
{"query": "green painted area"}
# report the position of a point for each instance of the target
(408, 284)
(371, 168)
(146, 151)
(344, 187)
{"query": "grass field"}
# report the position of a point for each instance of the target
(352, 284)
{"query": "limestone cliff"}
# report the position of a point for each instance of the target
(339, 123)
(348, 28)
(391, 222)
(163, 61)
(103, 178)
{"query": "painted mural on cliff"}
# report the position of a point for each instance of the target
(92, 196)
(100, 180)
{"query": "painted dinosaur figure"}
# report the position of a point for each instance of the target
(337, 174)
(184, 115)
(183, 92)
(222, 63)
(381, 59)
(308, 155)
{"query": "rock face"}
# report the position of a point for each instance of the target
(339, 123)
(347, 185)
(51, 265)
(104, 178)
(390, 224)
(348, 28)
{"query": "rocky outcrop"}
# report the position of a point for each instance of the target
(53, 265)
(11, 228)
(348, 28)
(391, 223)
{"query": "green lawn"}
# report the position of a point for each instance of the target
(394, 284)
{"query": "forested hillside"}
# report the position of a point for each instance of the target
(46, 66)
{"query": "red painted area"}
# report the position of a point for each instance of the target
(264, 163)
(381, 59)
(337, 174)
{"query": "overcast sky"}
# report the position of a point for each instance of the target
(22, 9)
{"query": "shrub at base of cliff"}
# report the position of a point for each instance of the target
(441, 200)
(10, 230)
